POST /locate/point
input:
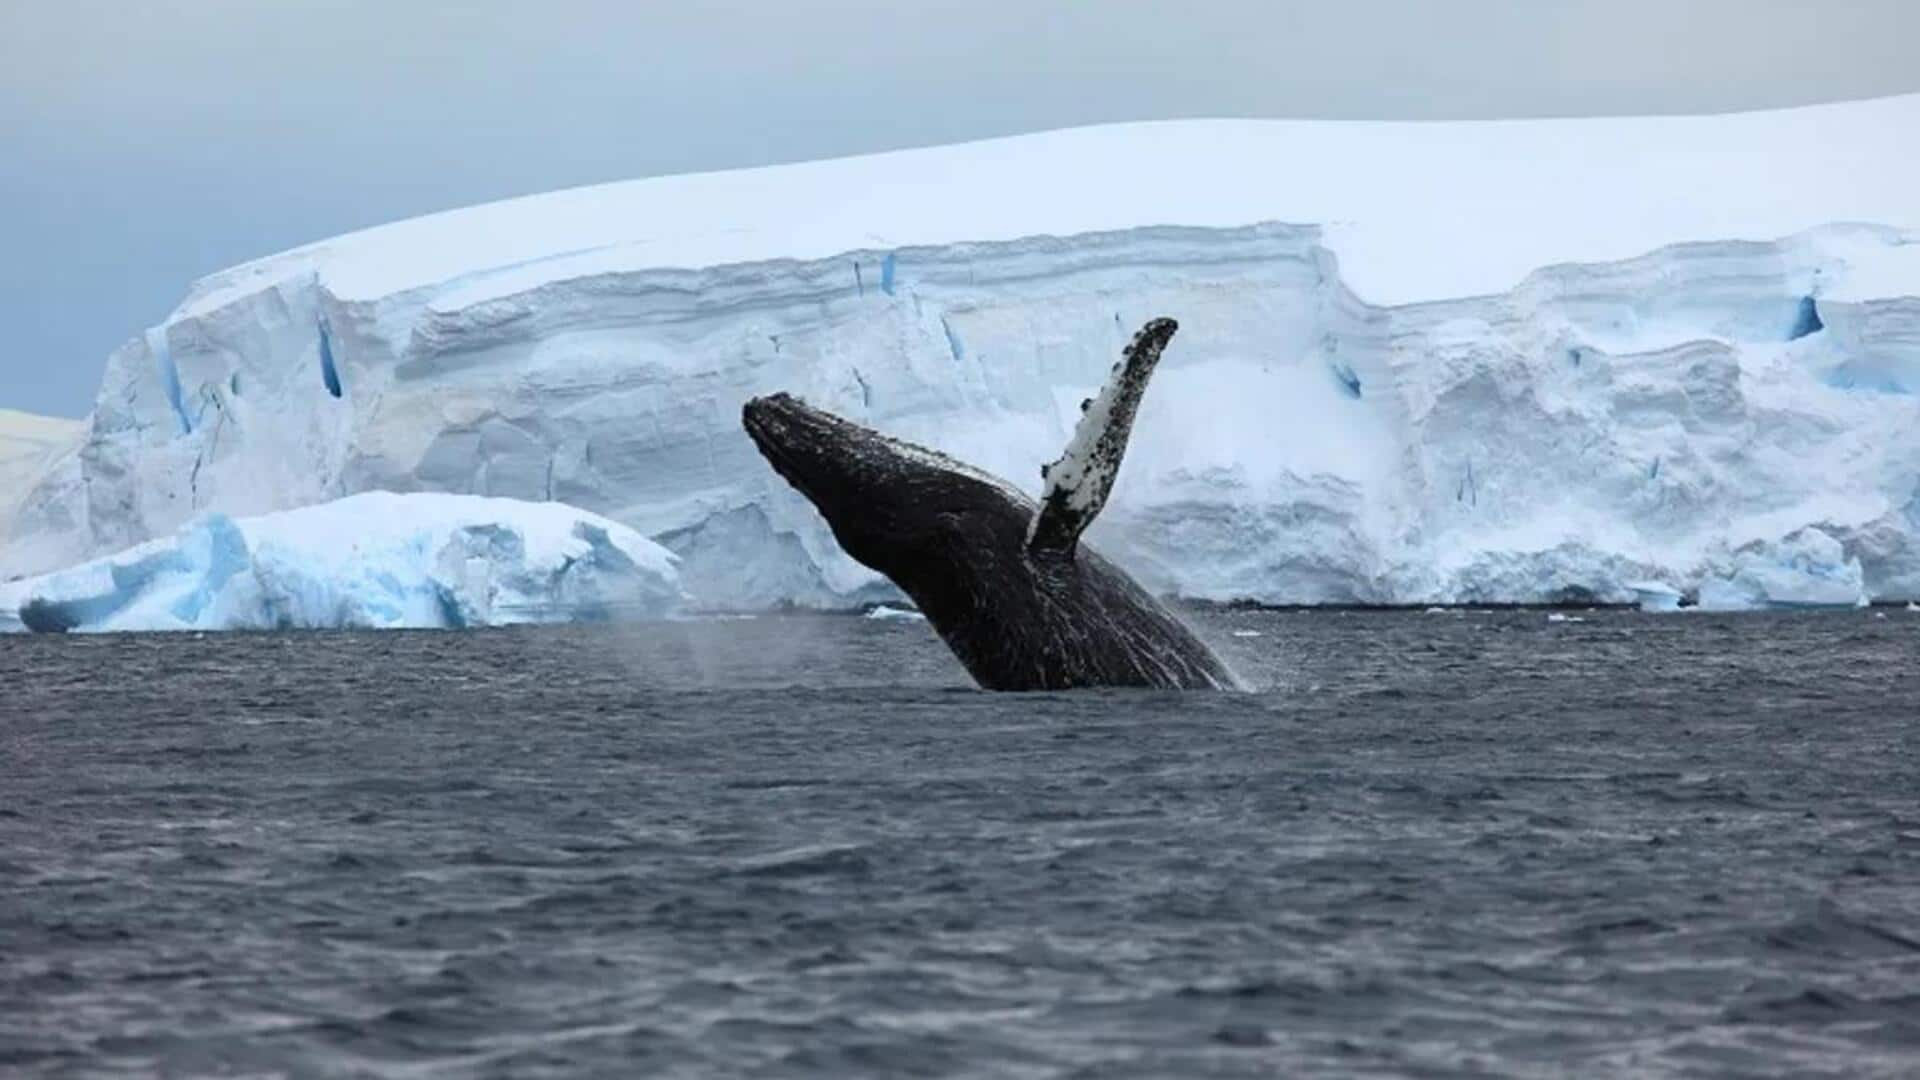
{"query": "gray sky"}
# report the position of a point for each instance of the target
(144, 143)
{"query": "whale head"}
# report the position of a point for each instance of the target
(911, 513)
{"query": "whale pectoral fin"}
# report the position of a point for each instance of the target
(1078, 483)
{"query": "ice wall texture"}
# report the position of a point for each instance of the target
(375, 560)
(29, 447)
(1510, 362)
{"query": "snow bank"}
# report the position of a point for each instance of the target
(370, 560)
(1431, 363)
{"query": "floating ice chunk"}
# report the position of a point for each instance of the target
(371, 560)
(885, 612)
(1246, 633)
(1655, 596)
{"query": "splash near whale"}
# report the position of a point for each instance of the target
(1007, 582)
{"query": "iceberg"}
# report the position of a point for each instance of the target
(373, 560)
(1528, 361)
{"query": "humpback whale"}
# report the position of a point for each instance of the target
(1006, 582)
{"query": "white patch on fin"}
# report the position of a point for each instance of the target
(1078, 483)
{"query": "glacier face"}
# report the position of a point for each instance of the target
(375, 560)
(1312, 436)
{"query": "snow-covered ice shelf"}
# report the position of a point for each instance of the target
(1419, 363)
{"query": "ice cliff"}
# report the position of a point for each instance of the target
(371, 560)
(1512, 361)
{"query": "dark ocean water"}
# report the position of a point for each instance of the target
(1437, 844)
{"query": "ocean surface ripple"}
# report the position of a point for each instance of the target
(1435, 844)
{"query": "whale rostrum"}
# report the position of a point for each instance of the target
(1006, 582)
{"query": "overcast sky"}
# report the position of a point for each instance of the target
(144, 143)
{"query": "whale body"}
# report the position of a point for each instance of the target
(1005, 580)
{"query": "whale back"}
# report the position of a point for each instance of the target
(1020, 622)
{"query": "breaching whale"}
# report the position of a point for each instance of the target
(1006, 582)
